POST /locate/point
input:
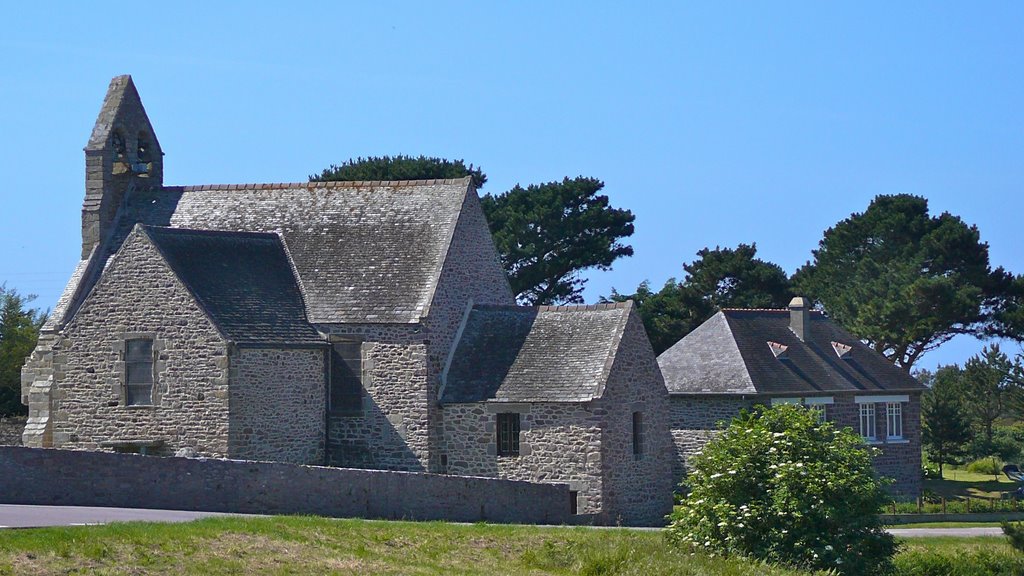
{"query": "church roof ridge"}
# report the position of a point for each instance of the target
(318, 184)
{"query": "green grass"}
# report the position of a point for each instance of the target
(306, 545)
(958, 557)
(947, 525)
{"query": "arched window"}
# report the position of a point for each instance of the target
(117, 143)
(144, 152)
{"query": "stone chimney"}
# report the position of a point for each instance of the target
(800, 317)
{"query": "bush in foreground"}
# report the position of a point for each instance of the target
(780, 486)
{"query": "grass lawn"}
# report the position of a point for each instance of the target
(961, 483)
(947, 525)
(306, 545)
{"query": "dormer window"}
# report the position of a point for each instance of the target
(778, 350)
(842, 350)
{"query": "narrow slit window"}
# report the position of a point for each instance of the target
(508, 434)
(138, 369)
(638, 433)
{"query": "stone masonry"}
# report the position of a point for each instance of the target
(139, 296)
(277, 399)
(65, 477)
(10, 430)
(697, 419)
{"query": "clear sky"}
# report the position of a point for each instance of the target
(762, 122)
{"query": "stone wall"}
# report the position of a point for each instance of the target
(61, 477)
(391, 432)
(10, 430)
(588, 445)
(557, 443)
(899, 460)
(277, 400)
(139, 296)
(695, 418)
(472, 270)
(694, 421)
(638, 487)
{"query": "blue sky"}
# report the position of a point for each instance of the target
(715, 124)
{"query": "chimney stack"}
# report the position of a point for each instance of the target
(800, 317)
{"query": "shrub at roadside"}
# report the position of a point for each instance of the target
(990, 465)
(1014, 532)
(780, 486)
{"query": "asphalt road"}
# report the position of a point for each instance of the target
(23, 516)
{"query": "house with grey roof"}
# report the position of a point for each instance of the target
(354, 324)
(740, 358)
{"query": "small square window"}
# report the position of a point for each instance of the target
(508, 434)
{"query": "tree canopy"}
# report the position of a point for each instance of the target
(547, 234)
(400, 167)
(906, 282)
(945, 427)
(719, 278)
(19, 330)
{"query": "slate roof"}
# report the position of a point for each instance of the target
(242, 280)
(364, 252)
(730, 354)
(540, 354)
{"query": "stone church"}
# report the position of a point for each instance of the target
(354, 324)
(371, 325)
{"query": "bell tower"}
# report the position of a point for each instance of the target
(123, 154)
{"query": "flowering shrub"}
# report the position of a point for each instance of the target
(780, 486)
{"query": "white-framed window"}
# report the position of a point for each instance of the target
(819, 404)
(819, 410)
(867, 421)
(894, 421)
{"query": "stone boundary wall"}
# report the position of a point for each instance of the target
(10, 430)
(78, 478)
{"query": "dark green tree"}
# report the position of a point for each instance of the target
(945, 427)
(719, 278)
(906, 282)
(988, 389)
(547, 234)
(19, 330)
(401, 167)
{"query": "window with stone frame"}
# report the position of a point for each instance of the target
(894, 421)
(867, 421)
(346, 389)
(638, 434)
(138, 372)
(508, 434)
